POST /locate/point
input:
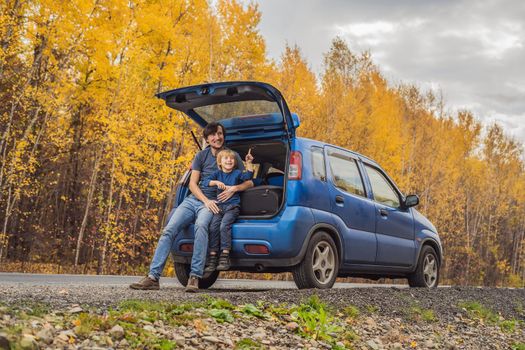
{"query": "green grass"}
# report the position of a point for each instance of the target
(217, 303)
(518, 346)
(351, 311)
(27, 310)
(279, 310)
(248, 344)
(315, 320)
(87, 323)
(371, 309)
(221, 315)
(252, 310)
(477, 310)
(418, 313)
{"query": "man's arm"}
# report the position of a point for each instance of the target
(196, 191)
(230, 191)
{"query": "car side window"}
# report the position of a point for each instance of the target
(318, 168)
(381, 188)
(345, 173)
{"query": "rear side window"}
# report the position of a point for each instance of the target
(318, 168)
(345, 174)
(381, 188)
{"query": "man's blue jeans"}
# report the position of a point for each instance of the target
(189, 211)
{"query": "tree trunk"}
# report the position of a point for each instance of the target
(4, 238)
(107, 226)
(92, 185)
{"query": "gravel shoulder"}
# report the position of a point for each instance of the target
(364, 318)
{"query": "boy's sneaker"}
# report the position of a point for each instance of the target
(211, 264)
(224, 262)
(193, 284)
(147, 283)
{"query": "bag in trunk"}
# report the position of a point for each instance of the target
(261, 200)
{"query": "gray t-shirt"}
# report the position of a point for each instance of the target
(206, 163)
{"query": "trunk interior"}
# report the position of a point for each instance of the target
(270, 161)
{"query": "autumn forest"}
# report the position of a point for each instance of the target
(89, 158)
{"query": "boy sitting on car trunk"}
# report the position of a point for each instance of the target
(221, 224)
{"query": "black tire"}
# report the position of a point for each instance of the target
(182, 271)
(304, 274)
(427, 270)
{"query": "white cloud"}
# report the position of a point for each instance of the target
(495, 41)
(473, 51)
(366, 29)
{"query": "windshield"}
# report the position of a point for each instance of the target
(218, 112)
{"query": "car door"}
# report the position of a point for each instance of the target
(349, 203)
(394, 224)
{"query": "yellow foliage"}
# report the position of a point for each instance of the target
(86, 145)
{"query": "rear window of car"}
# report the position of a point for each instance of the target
(218, 112)
(318, 167)
(345, 173)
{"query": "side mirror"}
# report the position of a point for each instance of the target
(411, 200)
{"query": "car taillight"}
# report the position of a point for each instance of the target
(296, 166)
(186, 247)
(256, 249)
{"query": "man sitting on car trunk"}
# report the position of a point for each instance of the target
(197, 208)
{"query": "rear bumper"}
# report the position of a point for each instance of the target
(254, 264)
(284, 236)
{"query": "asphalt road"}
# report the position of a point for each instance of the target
(80, 280)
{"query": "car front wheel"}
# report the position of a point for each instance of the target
(320, 265)
(182, 271)
(427, 270)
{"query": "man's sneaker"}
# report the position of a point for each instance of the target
(224, 262)
(146, 283)
(211, 264)
(193, 284)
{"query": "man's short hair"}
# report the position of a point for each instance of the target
(226, 153)
(212, 128)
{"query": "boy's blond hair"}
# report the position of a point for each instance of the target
(225, 153)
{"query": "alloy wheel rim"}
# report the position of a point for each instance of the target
(323, 262)
(430, 270)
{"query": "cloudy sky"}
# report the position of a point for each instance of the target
(473, 51)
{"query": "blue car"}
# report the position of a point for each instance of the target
(319, 211)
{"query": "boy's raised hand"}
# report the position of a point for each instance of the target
(249, 157)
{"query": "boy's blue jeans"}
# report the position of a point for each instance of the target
(189, 211)
(221, 227)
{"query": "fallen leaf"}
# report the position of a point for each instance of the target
(199, 325)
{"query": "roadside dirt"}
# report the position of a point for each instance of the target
(368, 318)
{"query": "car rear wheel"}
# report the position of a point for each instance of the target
(182, 272)
(427, 270)
(320, 265)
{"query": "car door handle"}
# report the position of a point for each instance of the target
(383, 212)
(339, 199)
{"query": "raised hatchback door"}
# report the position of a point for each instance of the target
(246, 109)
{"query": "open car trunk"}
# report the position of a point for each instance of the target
(255, 115)
(266, 197)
